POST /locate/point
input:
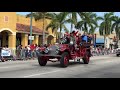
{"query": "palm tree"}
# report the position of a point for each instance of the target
(58, 22)
(116, 26)
(105, 26)
(73, 18)
(88, 21)
(39, 16)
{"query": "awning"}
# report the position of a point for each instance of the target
(99, 40)
(26, 28)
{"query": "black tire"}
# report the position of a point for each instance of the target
(64, 61)
(41, 61)
(86, 58)
(117, 55)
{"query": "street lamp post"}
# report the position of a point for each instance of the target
(31, 27)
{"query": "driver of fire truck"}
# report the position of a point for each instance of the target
(66, 38)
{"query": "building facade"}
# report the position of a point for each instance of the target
(109, 40)
(15, 30)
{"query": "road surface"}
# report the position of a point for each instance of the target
(99, 67)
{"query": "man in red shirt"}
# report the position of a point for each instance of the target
(32, 48)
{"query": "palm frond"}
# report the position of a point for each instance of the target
(113, 27)
(79, 24)
(65, 28)
(101, 28)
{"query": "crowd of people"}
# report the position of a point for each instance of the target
(102, 51)
(29, 52)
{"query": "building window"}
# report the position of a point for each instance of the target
(6, 18)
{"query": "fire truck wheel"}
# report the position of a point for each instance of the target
(64, 61)
(86, 58)
(41, 61)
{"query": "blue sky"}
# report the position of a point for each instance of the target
(22, 13)
(98, 13)
(68, 25)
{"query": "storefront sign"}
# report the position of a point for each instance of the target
(5, 52)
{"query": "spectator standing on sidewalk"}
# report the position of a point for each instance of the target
(29, 51)
(35, 52)
(22, 53)
(18, 51)
(32, 48)
(26, 52)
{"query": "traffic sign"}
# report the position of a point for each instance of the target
(31, 37)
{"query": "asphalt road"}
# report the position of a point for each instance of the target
(99, 67)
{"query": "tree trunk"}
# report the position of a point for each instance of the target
(104, 41)
(105, 32)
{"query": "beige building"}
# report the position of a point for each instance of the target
(15, 30)
(109, 40)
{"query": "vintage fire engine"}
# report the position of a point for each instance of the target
(64, 52)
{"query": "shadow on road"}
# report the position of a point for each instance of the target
(57, 64)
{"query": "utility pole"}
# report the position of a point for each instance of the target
(31, 27)
(43, 30)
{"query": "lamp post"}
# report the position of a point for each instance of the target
(31, 27)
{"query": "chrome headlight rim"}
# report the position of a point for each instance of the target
(46, 50)
(57, 51)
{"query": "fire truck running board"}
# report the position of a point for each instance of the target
(79, 57)
(53, 60)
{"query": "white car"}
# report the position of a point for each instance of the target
(117, 51)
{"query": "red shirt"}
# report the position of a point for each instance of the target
(32, 47)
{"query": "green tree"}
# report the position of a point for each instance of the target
(116, 26)
(73, 18)
(58, 22)
(105, 25)
(88, 22)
